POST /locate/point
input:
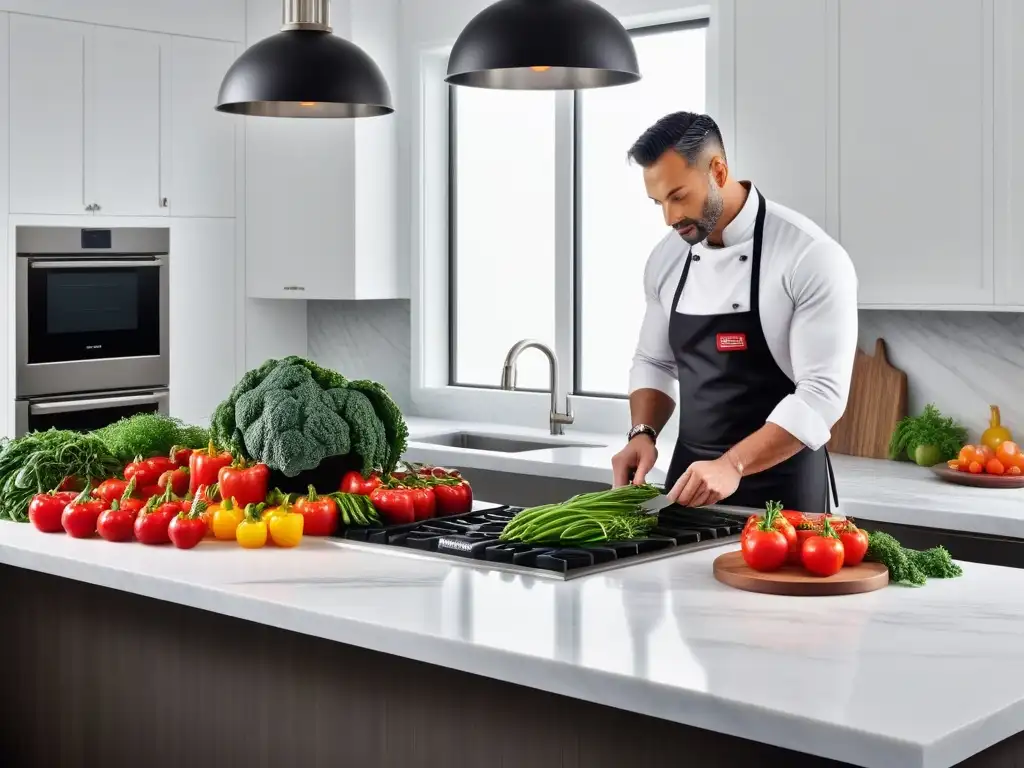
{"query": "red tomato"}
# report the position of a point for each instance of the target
(354, 482)
(764, 550)
(319, 514)
(975, 468)
(80, 515)
(185, 532)
(994, 467)
(176, 478)
(152, 523)
(117, 523)
(783, 526)
(395, 504)
(109, 490)
(180, 456)
(855, 545)
(455, 499)
(46, 509)
(793, 517)
(822, 555)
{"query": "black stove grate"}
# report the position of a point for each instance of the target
(475, 536)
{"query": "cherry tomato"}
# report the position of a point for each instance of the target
(994, 467)
(855, 545)
(764, 550)
(1008, 453)
(117, 523)
(975, 468)
(966, 457)
(1014, 470)
(823, 555)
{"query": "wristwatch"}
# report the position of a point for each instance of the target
(642, 429)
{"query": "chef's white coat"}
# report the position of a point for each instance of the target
(808, 310)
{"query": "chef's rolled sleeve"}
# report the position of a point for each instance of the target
(823, 343)
(654, 364)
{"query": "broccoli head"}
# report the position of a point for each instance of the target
(291, 414)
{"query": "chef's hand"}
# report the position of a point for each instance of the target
(637, 458)
(706, 482)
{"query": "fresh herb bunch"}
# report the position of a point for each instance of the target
(909, 566)
(587, 518)
(930, 428)
(148, 435)
(40, 462)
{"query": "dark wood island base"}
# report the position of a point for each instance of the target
(98, 677)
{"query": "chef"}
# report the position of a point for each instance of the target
(750, 326)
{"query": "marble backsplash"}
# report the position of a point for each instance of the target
(364, 340)
(961, 361)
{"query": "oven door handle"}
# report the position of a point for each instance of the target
(85, 264)
(70, 406)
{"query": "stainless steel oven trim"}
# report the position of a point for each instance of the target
(23, 408)
(152, 371)
(85, 263)
(130, 241)
(88, 404)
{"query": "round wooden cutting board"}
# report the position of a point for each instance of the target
(980, 480)
(794, 580)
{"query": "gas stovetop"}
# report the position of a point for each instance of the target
(472, 539)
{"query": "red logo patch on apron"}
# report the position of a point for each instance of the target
(731, 342)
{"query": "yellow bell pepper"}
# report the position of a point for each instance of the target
(251, 533)
(224, 520)
(278, 503)
(286, 528)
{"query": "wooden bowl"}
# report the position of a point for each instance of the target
(981, 480)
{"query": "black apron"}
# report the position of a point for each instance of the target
(729, 384)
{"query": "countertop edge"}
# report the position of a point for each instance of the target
(601, 687)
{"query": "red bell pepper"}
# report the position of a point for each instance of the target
(424, 503)
(147, 471)
(354, 482)
(204, 465)
(395, 505)
(110, 490)
(45, 510)
(243, 482)
(453, 498)
(80, 515)
(180, 455)
(116, 523)
(319, 513)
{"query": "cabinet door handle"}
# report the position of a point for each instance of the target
(163, 202)
(90, 207)
(97, 206)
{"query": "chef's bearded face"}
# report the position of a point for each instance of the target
(684, 171)
(690, 198)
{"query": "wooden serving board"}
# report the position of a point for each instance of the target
(878, 400)
(794, 580)
(979, 480)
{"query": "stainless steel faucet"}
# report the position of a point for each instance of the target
(508, 381)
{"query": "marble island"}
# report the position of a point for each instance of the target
(346, 657)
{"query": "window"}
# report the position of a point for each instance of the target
(503, 232)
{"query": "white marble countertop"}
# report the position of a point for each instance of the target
(885, 491)
(909, 677)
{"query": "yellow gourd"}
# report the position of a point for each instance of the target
(996, 432)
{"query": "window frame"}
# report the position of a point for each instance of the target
(569, 109)
(577, 389)
(427, 140)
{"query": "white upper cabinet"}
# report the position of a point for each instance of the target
(124, 121)
(781, 102)
(47, 97)
(118, 119)
(321, 195)
(1009, 171)
(915, 143)
(202, 146)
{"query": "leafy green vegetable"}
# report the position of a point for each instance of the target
(40, 461)
(149, 434)
(909, 566)
(928, 429)
(293, 414)
(587, 518)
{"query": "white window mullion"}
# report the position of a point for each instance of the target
(565, 233)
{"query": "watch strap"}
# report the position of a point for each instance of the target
(642, 429)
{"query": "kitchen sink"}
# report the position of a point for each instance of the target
(475, 441)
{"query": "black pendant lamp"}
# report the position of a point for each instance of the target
(543, 45)
(305, 71)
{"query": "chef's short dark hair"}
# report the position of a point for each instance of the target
(688, 133)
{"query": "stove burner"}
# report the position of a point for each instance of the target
(475, 536)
